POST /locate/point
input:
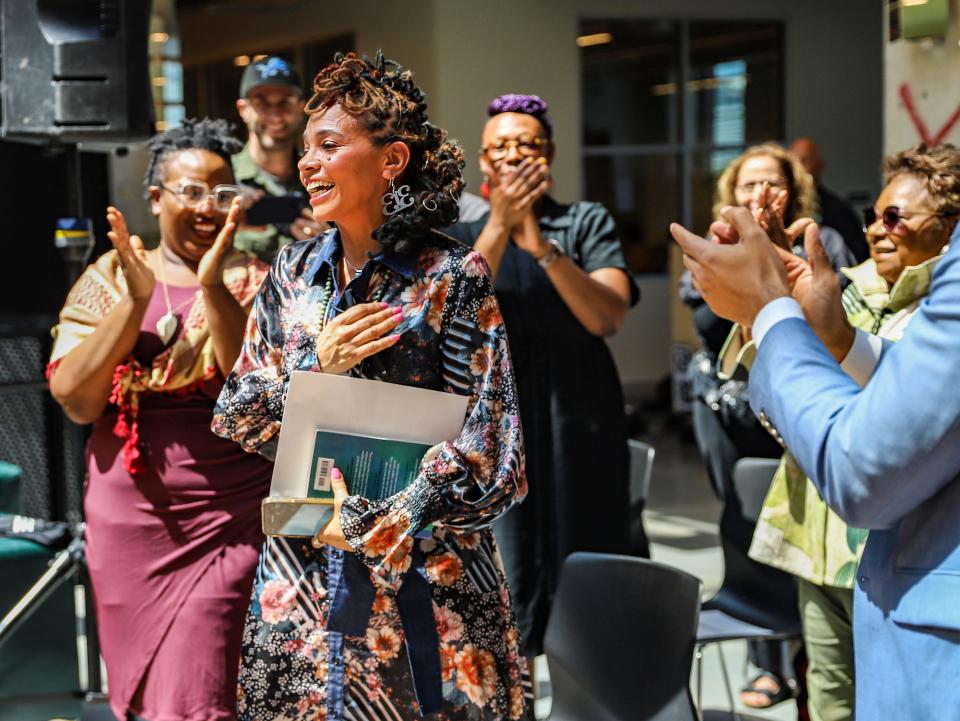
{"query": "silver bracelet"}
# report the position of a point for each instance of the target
(550, 257)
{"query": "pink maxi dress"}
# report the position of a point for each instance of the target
(172, 550)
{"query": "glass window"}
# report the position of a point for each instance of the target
(630, 73)
(651, 153)
(736, 81)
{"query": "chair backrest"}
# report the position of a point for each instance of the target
(641, 469)
(751, 482)
(752, 591)
(620, 640)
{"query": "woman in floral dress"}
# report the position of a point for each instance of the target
(398, 609)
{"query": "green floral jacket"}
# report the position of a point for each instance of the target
(797, 532)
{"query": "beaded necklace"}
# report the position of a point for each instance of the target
(385, 278)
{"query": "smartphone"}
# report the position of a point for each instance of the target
(276, 209)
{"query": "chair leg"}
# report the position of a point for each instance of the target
(698, 660)
(726, 681)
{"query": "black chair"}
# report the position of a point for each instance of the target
(641, 470)
(620, 640)
(755, 602)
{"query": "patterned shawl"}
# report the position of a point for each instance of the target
(189, 361)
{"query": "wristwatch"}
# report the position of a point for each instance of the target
(549, 258)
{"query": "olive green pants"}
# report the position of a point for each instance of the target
(827, 616)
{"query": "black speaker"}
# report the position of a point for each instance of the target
(34, 432)
(75, 70)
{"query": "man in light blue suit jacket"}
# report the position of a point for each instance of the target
(885, 456)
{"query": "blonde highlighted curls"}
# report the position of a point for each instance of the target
(382, 96)
(802, 191)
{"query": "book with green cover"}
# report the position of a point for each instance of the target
(374, 468)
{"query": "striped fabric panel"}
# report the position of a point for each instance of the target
(280, 560)
(458, 345)
(481, 571)
(359, 707)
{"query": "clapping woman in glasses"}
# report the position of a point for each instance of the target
(564, 286)
(141, 350)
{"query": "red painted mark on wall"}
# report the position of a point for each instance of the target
(906, 95)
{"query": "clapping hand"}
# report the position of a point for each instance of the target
(769, 213)
(210, 269)
(512, 196)
(740, 271)
(815, 286)
(133, 257)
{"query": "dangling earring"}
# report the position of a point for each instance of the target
(396, 199)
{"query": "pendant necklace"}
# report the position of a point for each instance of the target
(167, 325)
(351, 266)
(385, 279)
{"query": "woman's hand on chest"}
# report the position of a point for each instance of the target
(357, 333)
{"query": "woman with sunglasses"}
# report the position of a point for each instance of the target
(564, 286)
(141, 350)
(907, 231)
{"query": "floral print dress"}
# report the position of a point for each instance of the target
(428, 549)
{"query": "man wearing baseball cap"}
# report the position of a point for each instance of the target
(271, 106)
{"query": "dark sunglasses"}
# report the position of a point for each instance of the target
(892, 216)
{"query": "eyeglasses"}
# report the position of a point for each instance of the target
(527, 147)
(776, 184)
(192, 193)
(892, 216)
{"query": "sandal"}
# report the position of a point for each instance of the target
(771, 697)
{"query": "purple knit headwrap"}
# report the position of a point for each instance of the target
(532, 105)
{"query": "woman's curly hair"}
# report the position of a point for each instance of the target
(938, 168)
(802, 191)
(383, 97)
(193, 134)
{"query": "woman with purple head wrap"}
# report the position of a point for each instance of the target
(563, 285)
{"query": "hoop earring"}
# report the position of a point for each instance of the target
(396, 199)
(430, 205)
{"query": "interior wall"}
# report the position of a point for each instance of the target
(931, 70)
(404, 32)
(530, 47)
(483, 50)
(465, 53)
